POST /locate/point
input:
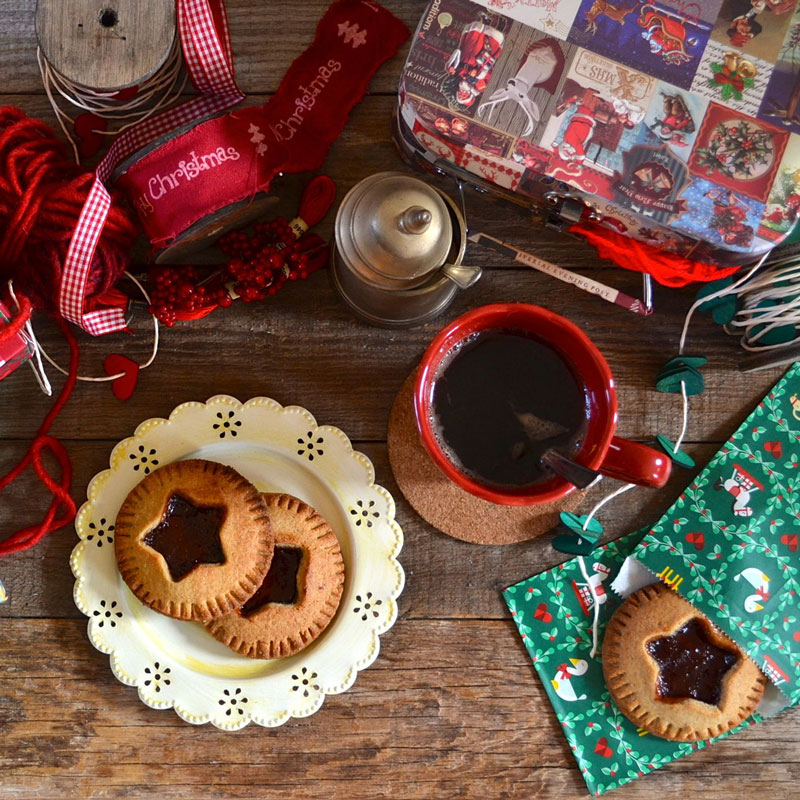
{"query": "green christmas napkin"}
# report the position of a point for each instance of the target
(729, 544)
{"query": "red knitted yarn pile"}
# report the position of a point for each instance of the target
(668, 269)
(41, 196)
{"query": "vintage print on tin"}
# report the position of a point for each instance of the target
(654, 37)
(455, 53)
(598, 117)
(737, 152)
(554, 17)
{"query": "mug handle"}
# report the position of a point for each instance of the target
(635, 463)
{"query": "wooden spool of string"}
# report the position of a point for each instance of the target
(110, 45)
(107, 45)
(209, 228)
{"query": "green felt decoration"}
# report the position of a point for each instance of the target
(779, 335)
(679, 361)
(573, 545)
(678, 456)
(722, 308)
(575, 523)
(725, 311)
(670, 381)
(711, 288)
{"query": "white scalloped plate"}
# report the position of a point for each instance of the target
(178, 665)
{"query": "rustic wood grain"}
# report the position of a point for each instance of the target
(305, 347)
(452, 708)
(423, 721)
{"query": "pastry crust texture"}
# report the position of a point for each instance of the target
(208, 590)
(631, 673)
(276, 630)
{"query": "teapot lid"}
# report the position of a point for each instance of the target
(393, 230)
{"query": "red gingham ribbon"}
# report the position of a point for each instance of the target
(205, 40)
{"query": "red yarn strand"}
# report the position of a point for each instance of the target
(58, 487)
(12, 329)
(41, 196)
(668, 269)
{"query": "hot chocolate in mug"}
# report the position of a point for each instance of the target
(502, 384)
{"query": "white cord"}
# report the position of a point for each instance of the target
(769, 301)
(595, 605)
(616, 493)
(104, 378)
(29, 337)
(685, 424)
(154, 93)
(785, 271)
(732, 289)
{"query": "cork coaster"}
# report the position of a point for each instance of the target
(448, 507)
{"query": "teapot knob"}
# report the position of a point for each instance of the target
(414, 219)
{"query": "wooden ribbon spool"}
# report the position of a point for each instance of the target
(106, 45)
(209, 228)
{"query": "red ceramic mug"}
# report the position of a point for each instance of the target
(601, 450)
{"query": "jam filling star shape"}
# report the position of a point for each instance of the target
(187, 536)
(280, 584)
(690, 664)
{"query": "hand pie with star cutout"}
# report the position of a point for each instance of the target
(299, 595)
(193, 540)
(672, 673)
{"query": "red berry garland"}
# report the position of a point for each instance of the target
(259, 266)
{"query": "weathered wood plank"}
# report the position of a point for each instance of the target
(439, 715)
(265, 42)
(445, 578)
(305, 347)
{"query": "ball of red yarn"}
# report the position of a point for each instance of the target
(41, 196)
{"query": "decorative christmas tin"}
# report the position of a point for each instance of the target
(675, 123)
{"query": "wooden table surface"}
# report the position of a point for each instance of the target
(452, 707)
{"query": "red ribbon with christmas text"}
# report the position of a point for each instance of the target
(230, 158)
(205, 40)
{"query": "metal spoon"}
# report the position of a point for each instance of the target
(462, 275)
(569, 470)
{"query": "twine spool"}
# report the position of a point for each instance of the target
(106, 46)
(103, 70)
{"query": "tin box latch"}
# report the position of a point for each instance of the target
(566, 209)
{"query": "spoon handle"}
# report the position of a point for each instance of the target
(569, 470)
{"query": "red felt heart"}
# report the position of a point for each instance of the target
(791, 541)
(90, 145)
(797, 636)
(89, 123)
(123, 386)
(602, 748)
(542, 613)
(697, 539)
(90, 142)
(776, 448)
(126, 94)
